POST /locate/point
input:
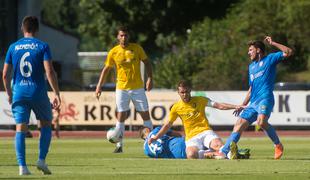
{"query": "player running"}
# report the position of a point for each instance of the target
(198, 133)
(30, 59)
(262, 73)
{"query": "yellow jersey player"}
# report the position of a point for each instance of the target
(126, 58)
(200, 139)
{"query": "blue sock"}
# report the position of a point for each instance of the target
(271, 132)
(20, 148)
(45, 140)
(234, 136)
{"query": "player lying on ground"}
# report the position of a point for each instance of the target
(172, 145)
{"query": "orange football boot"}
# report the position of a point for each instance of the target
(278, 151)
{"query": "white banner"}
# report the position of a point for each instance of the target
(82, 108)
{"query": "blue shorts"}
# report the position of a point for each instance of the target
(264, 106)
(177, 148)
(21, 110)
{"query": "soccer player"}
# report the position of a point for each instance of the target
(198, 133)
(126, 58)
(170, 145)
(262, 72)
(30, 59)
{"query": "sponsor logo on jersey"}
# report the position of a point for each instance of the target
(256, 75)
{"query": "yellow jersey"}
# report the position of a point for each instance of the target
(127, 63)
(192, 115)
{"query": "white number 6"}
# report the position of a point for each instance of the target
(24, 63)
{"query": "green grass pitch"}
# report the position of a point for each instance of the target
(92, 159)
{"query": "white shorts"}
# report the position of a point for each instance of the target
(202, 140)
(137, 96)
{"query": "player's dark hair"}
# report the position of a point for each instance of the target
(257, 44)
(184, 83)
(122, 28)
(142, 132)
(30, 24)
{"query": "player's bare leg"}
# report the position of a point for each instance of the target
(192, 152)
(145, 115)
(215, 145)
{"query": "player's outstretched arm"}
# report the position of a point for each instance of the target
(149, 74)
(286, 50)
(7, 68)
(105, 71)
(52, 80)
(161, 132)
(226, 106)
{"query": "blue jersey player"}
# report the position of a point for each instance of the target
(259, 98)
(171, 145)
(29, 59)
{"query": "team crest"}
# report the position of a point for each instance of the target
(129, 55)
(261, 64)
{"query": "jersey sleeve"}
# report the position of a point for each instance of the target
(204, 101)
(8, 57)
(275, 58)
(47, 56)
(210, 103)
(173, 114)
(109, 60)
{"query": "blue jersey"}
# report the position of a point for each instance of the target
(27, 56)
(262, 75)
(165, 147)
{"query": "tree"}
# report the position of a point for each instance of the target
(217, 49)
(156, 24)
(62, 14)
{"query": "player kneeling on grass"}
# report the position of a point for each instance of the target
(198, 133)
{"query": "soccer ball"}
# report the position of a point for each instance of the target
(114, 136)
